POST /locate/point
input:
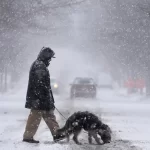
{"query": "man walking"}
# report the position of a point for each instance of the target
(40, 97)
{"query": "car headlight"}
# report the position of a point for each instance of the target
(55, 85)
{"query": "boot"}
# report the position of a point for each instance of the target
(30, 141)
(57, 138)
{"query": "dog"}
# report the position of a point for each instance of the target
(88, 122)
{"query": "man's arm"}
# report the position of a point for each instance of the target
(41, 87)
(51, 92)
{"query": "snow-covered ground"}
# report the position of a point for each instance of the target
(128, 117)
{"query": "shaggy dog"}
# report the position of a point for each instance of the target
(90, 123)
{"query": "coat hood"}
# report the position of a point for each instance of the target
(46, 54)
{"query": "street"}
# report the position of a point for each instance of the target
(128, 120)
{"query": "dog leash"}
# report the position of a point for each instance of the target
(61, 114)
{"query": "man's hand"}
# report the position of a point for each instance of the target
(52, 106)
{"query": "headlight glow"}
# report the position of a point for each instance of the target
(55, 85)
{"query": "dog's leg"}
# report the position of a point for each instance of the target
(68, 137)
(89, 137)
(96, 138)
(75, 137)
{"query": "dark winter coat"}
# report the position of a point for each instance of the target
(39, 94)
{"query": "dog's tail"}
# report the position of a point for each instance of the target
(65, 128)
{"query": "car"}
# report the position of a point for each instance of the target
(55, 85)
(83, 87)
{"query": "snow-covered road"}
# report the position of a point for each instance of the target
(128, 117)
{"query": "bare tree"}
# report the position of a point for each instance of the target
(18, 16)
(121, 33)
